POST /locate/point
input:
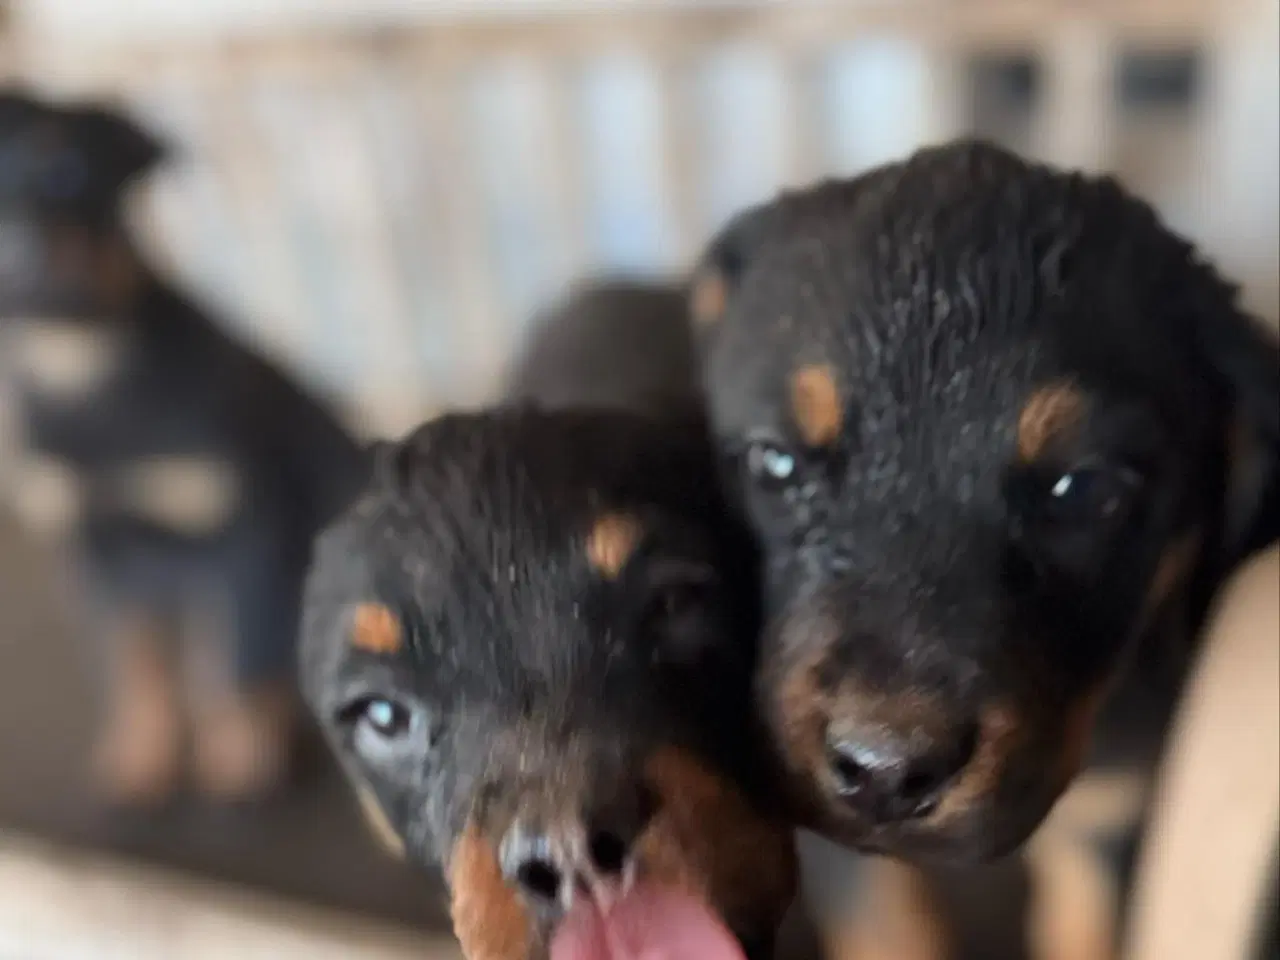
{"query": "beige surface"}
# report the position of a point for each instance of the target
(56, 905)
(1215, 829)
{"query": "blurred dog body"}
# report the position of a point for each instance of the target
(185, 475)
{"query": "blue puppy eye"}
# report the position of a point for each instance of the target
(771, 463)
(387, 719)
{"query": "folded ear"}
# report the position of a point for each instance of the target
(119, 149)
(1246, 356)
(721, 266)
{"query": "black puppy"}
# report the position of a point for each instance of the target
(1000, 433)
(530, 644)
(188, 474)
(611, 344)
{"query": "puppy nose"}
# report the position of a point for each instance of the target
(592, 855)
(891, 775)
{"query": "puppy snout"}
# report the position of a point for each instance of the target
(890, 773)
(552, 860)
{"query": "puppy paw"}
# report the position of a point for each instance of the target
(243, 747)
(137, 759)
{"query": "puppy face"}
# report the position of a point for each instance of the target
(62, 172)
(530, 645)
(977, 413)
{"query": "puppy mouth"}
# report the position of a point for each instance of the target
(989, 830)
(651, 920)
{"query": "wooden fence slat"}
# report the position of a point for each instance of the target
(421, 303)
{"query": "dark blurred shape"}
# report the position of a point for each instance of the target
(184, 474)
(611, 343)
(1003, 96)
(1158, 79)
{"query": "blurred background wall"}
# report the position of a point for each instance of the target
(382, 192)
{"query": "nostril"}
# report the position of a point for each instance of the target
(608, 852)
(852, 775)
(541, 878)
(927, 779)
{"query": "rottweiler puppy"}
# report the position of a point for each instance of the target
(610, 343)
(186, 475)
(1000, 433)
(530, 643)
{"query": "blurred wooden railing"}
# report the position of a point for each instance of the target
(385, 204)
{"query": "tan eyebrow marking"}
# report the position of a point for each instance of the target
(815, 402)
(1049, 412)
(376, 630)
(612, 540)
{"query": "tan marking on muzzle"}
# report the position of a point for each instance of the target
(118, 275)
(815, 404)
(1000, 731)
(192, 495)
(708, 841)
(805, 712)
(375, 629)
(798, 711)
(1051, 412)
(611, 542)
(488, 918)
(376, 819)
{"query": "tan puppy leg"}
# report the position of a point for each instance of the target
(1075, 900)
(137, 757)
(379, 826)
(242, 737)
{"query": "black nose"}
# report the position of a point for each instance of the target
(550, 864)
(892, 775)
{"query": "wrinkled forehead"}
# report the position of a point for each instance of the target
(484, 595)
(814, 363)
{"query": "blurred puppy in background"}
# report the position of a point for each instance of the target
(187, 474)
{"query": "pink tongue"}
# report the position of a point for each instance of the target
(648, 924)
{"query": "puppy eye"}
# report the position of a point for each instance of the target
(771, 463)
(1091, 492)
(378, 717)
(677, 612)
(386, 719)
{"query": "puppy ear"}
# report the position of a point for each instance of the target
(17, 107)
(722, 264)
(119, 148)
(1246, 356)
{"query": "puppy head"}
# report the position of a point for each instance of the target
(63, 170)
(530, 646)
(976, 411)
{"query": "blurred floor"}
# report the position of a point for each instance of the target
(311, 847)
